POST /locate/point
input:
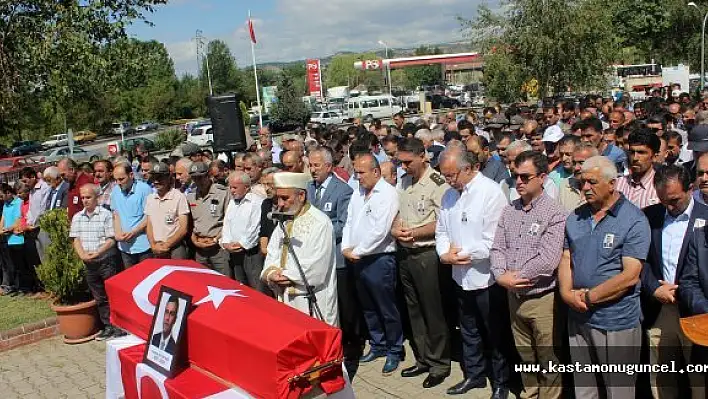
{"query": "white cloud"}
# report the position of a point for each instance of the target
(298, 29)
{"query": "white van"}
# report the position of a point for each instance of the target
(370, 107)
(201, 135)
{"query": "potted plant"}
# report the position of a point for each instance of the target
(62, 274)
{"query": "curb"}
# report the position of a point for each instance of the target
(28, 333)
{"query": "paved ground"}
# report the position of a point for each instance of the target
(50, 369)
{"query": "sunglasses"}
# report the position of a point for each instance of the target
(525, 177)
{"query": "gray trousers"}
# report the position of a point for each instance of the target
(246, 267)
(593, 346)
(215, 258)
(42, 242)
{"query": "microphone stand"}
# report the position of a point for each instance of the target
(310, 292)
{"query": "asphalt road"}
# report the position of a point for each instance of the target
(101, 145)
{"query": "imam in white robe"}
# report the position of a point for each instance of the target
(312, 237)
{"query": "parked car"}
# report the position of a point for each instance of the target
(79, 155)
(196, 123)
(328, 118)
(122, 128)
(439, 101)
(56, 140)
(130, 144)
(84, 136)
(146, 126)
(21, 148)
(201, 136)
(15, 163)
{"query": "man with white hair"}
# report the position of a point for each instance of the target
(94, 242)
(606, 243)
(464, 235)
(58, 197)
(239, 235)
(313, 232)
(186, 185)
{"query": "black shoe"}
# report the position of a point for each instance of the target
(390, 366)
(107, 333)
(371, 356)
(117, 332)
(500, 393)
(465, 385)
(414, 371)
(434, 380)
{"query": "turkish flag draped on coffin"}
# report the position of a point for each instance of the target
(234, 332)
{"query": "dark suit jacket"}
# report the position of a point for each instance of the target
(337, 195)
(652, 270)
(169, 348)
(62, 198)
(693, 281)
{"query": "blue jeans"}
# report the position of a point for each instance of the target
(375, 277)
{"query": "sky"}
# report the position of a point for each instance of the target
(288, 30)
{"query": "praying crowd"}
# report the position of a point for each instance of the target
(572, 231)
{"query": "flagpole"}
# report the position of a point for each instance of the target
(255, 75)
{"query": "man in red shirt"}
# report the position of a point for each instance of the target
(69, 171)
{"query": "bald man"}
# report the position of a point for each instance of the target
(292, 162)
(527, 129)
(388, 172)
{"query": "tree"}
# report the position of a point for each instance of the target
(51, 48)
(289, 109)
(427, 75)
(190, 97)
(561, 43)
(341, 72)
(225, 75)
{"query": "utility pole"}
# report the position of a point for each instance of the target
(204, 53)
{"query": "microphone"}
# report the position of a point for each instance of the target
(280, 216)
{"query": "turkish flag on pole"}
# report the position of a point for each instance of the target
(250, 30)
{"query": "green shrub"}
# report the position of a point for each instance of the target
(62, 272)
(169, 139)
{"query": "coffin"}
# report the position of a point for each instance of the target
(234, 334)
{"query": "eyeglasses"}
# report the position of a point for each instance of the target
(525, 178)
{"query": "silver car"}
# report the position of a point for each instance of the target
(57, 154)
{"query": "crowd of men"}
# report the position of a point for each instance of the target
(554, 234)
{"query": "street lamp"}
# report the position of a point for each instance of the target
(703, 46)
(388, 74)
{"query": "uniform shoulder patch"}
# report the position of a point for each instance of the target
(437, 179)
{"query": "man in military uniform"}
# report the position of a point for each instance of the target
(421, 192)
(208, 204)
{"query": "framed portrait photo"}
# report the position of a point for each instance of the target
(164, 350)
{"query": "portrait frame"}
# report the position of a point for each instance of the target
(170, 360)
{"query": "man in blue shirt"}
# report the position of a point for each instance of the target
(128, 203)
(607, 241)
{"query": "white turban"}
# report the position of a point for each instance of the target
(291, 180)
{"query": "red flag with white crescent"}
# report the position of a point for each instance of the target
(234, 332)
(251, 31)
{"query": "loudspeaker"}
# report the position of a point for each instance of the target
(227, 123)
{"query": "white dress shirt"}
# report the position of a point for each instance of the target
(242, 222)
(672, 234)
(369, 220)
(468, 220)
